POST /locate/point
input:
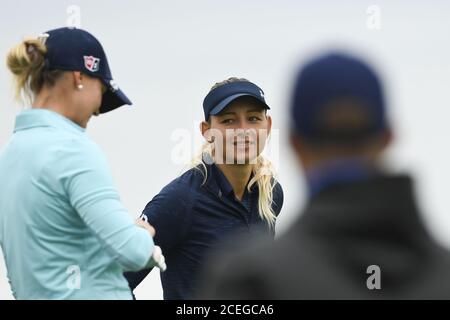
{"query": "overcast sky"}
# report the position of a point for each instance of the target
(167, 54)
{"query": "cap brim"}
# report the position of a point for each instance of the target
(113, 99)
(224, 103)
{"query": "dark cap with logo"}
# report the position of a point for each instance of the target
(73, 49)
(221, 97)
(337, 88)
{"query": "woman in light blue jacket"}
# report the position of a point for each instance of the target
(63, 230)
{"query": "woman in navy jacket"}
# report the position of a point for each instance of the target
(229, 189)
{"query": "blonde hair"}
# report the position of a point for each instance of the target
(26, 61)
(227, 81)
(263, 173)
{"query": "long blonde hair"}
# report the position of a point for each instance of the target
(26, 61)
(263, 173)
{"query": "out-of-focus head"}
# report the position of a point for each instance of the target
(338, 109)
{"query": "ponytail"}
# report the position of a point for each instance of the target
(26, 61)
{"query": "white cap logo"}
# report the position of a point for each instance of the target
(114, 85)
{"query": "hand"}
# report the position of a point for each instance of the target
(159, 259)
(157, 255)
(146, 226)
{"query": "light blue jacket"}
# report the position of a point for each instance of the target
(63, 230)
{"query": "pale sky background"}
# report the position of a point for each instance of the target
(167, 54)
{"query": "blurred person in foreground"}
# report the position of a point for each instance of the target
(360, 235)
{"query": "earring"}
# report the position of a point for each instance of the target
(80, 87)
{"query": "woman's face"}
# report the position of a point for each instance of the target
(239, 132)
(93, 90)
(83, 96)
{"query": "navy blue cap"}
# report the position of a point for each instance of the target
(72, 49)
(219, 98)
(331, 77)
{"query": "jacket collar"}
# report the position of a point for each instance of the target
(32, 118)
(217, 182)
(379, 208)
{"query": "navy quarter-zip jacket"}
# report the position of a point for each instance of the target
(192, 217)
